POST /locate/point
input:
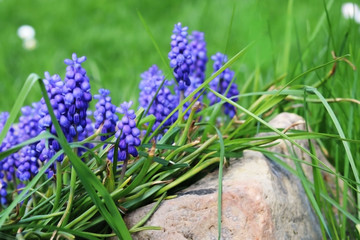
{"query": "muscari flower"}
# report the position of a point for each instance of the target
(54, 87)
(221, 84)
(28, 121)
(3, 118)
(180, 56)
(164, 102)
(9, 164)
(3, 192)
(28, 156)
(77, 94)
(29, 165)
(70, 101)
(128, 133)
(197, 69)
(199, 58)
(105, 113)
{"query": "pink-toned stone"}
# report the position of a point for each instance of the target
(261, 199)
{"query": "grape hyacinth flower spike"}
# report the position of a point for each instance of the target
(197, 69)
(105, 113)
(77, 94)
(3, 192)
(164, 102)
(54, 87)
(28, 165)
(199, 57)
(222, 83)
(9, 164)
(128, 134)
(180, 56)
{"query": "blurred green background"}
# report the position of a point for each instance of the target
(118, 48)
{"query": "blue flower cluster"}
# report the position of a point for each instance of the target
(180, 56)
(3, 118)
(105, 113)
(128, 133)
(70, 99)
(54, 87)
(222, 83)
(9, 163)
(188, 58)
(70, 102)
(77, 95)
(198, 68)
(199, 58)
(28, 156)
(3, 192)
(164, 102)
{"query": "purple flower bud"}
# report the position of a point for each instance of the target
(69, 99)
(78, 93)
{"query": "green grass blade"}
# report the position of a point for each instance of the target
(30, 185)
(345, 144)
(91, 183)
(29, 83)
(149, 214)
(165, 62)
(266, 124)
(220, 177)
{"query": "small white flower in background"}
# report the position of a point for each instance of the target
(351, 11)
(27, 34)
(29, 44)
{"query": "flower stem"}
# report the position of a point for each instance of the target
(65, 217)
(187, 127)
(123, 169)
(58, 185)
(181, 98)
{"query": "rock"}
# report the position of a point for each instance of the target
(261, 200)
(289, 120)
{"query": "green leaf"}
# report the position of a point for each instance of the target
(91, 183)
(338, 127)
(29, 83)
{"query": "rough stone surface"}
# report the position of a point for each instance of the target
(290, 120)
(261, 200)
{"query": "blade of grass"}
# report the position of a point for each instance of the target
(148, 215)
(5, 214)
(267, 125)
(220, 185)
(29, 83)
(91, 183)
(345, 144)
